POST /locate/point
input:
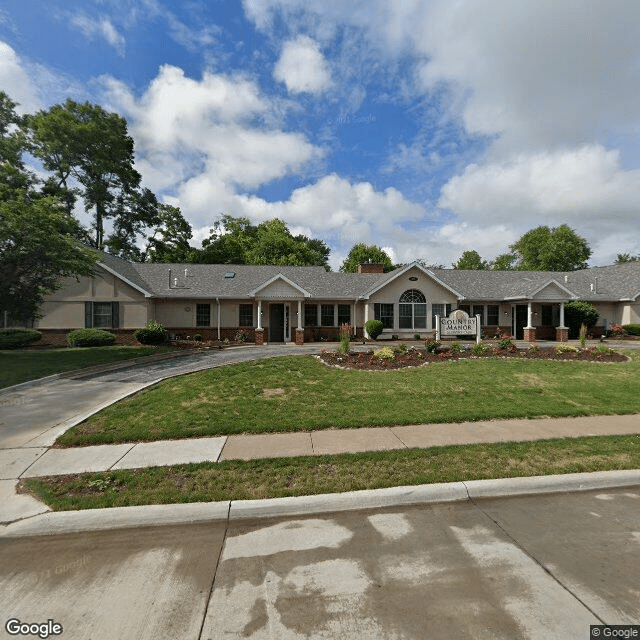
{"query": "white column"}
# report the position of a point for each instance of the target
(219, 304)
(299, 314)
(353, 323)
(366, 318)
(529, 315)
(259, 314)
(561, 316)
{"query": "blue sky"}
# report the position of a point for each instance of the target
(428, 127)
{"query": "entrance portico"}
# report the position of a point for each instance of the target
(280, 301)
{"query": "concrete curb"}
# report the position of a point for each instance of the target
(348, 501)
(52, 523)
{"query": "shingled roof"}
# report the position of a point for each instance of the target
(607, 284)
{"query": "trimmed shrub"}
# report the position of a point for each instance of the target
(197, 338)
(632, 329)
(582, 335)
(505, 343)
(431, 345)
(566, 348)
(455, 347)
(374, 328)
(153, 333)
(479, 349)
(18, 338)
(616, 329)
(386, 353)
(345, 339)
(90, 338)
(577, 313)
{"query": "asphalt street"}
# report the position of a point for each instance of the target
(534, 567)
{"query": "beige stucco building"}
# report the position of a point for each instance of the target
(283, 304)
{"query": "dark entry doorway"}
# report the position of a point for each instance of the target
(520, 318)
(276, 323)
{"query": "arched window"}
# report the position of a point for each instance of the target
(413, 310)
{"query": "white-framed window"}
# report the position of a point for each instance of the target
(439, 309)
(245, 315)
(344, 314)
(310, 315)
(412, 310)
(327, 315)
(203, 314)
(384, 312)
(101, 315)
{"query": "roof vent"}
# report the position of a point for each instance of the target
(566, 278)
(230, 274)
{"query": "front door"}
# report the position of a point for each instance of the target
(520, 316)
(276, 323)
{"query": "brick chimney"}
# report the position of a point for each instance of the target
(371, 267)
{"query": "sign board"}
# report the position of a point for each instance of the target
(458, 324)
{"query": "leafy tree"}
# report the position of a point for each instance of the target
(228, 241)
(361, 253)
(237, 241)
(274, 244)
(504, 262)
(626, 257)
(471, 260)
(37, 246)
(545, 249)
(86, 143)
(578, 312)
(13, 176)
(170, 239)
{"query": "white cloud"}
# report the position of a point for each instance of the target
(575, 186)
(102, 28)
(203, 134)
(540, 74)
(15, 82)
(551, 84)
(302, 67)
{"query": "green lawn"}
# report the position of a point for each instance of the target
(299, 393)
(20, 366)
(237, 480)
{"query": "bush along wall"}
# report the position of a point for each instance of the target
(18, 338)
(153, 333)
(577, 313)
(90, 338)
(632, 329)
(374, 328)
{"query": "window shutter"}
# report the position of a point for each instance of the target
(88, 315)
(115, 314)
(447, 310)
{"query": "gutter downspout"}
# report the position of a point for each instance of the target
(218, 302)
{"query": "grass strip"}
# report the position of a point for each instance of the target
(299, 393)
(21, 366)
(273, 478)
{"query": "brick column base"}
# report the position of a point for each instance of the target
(259, 337)
(529, 335)
(562, 334)
(299, 337)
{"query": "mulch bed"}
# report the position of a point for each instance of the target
(416, 357)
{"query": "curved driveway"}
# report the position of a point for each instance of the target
(36, 413)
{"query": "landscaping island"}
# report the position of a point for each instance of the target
(401, 357)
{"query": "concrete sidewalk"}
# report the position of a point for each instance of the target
(42, 461)
(32, 416)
